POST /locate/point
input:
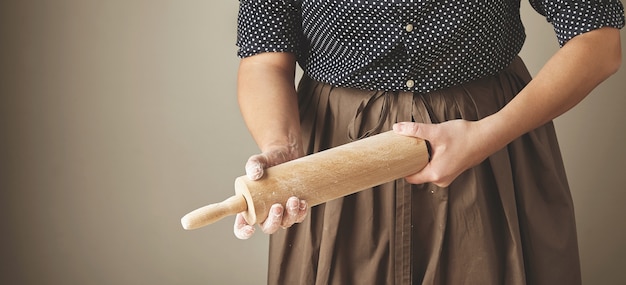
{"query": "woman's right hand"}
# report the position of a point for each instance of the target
(294, 210)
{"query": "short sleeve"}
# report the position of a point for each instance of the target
(574, 17)
(268, 26)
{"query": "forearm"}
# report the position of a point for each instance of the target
(565, 80)
(267, 99)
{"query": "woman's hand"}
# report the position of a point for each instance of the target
(279, 216)
(456, 146)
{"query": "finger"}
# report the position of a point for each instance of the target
(429, 175)
(274, 219)
(419, 130)
(419, 177)
(405, 128)
(292, 212)
(303, 209)
(242, 229)
(255, 166)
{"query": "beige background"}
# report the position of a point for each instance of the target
(118, 117)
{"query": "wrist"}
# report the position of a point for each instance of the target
(290, 144)
(497, 131)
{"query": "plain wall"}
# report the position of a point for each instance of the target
(119, 117)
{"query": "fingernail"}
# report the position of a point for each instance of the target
(277, 211)
(292, 204)
(397, 127)
(254, 171)
(302, 205)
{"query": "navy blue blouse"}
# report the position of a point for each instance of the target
(419, 46)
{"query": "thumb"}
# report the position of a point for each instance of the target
(411, 129)
(255, 166)
(241, 228)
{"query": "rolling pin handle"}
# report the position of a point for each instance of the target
(212, 213)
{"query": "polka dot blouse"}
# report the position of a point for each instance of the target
(417, 46)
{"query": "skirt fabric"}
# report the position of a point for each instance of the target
(509, 220)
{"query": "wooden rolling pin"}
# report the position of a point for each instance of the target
(319, 177)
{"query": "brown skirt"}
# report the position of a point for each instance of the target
(509, 220)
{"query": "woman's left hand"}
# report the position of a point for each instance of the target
(456, 146)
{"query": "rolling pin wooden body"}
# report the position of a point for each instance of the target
(319, 177)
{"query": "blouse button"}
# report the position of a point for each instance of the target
(409, 28)
(410, 83)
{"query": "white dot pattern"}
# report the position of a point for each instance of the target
(409, 45)
(572, 18)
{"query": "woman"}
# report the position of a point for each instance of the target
(493, 205)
